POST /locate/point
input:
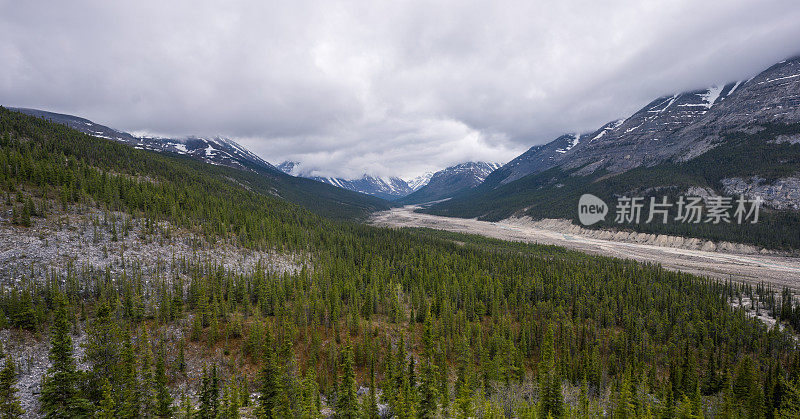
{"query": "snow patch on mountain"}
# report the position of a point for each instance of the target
(575, 140)
(419, 181)
(711, 95)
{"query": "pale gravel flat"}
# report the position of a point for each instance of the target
(751, 267)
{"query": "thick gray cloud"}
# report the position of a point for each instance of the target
(390, 88)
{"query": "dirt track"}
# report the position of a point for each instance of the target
(778, 270)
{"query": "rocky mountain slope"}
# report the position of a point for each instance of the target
(742, 138)
(674, 127)
(228, 158)
(451, 181)
(215, 150)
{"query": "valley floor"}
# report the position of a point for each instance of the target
(751, 267)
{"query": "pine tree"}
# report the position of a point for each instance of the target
(25, 217)
(410, 389)
(668, 411)
(129, 401)
(209, 394)
(790, 405)
(389, 384)
(148, 384)
(269, 380)
(728, 408)
(232, 403)
(625, 404)
(551, 400)
(60, 397)
(429, 397)
(186, 407)
(181, 357)
(747, 389)
(107, 405)
(308, 396)
(463, 390)
(428, 391)
(371, 412)
(283, 405)
(346, 401)
(102, 347)
(9, 404)
(164, 407)
(685, 409)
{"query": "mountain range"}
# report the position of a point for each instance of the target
(739, 138)
(388, 188)
(227, 154)
(221, 151)
(451, 181)
(427, 187)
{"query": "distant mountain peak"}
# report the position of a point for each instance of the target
(389, 188)
(419, 181)
(451, 181)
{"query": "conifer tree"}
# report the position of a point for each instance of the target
(428, 391)
(308, 396)
(790, 404)
(25, 217)
(9, 403)
(181, 357)
(129, 403)
(60, 397)
(283, 405)
(164, 407)
(187, 409)
(269, 380)
(410, 389)
(346, 401)
(462, 387)
(233, 402)
(148, 383)
(551, 400)
(102, 347)
(371, 411)
(668, 410)
(209, 394)
(625, 404)
(107, 408)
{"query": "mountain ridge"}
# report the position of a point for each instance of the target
(388, 188)
(214, 150)
(450, 182)
(678, 126)
(246, 168)
(742, 138)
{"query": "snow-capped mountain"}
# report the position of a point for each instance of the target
(449, 182)
(673, 127)
(389, 188)
(738, 138)
(289, 167)
(214, 150)
(419, 181)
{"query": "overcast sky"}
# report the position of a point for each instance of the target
(384, 87)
